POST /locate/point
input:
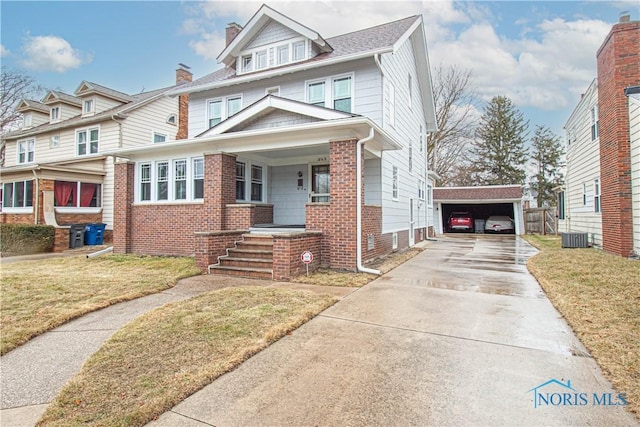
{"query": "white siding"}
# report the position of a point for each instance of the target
(367, 90)
(108, 187)
(634, 133)
(67, 111)
(288, 200)
(102, 104)
(272, 32)
(278, 119)
(397, 67)
(141, 123)
(583, 166)
(372, 182)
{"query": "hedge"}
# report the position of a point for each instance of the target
(19, 239)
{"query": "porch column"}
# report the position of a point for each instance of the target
(124, 183)
(219, 188)
(44, 185)
(342, 171)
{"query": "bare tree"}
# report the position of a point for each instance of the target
(455, 102)
(14, 87)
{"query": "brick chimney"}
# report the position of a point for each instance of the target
(183, 76)
(618, 62)
(232, 31)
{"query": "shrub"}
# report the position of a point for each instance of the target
(17, 239)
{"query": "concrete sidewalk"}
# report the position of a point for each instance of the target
(33, 374)
(460, 335)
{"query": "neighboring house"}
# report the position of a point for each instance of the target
(598, 191)
(322, 138)
(580, 203)
(56, 171)
(633, 93)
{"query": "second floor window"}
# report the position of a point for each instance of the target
(594, 123)
(342, 94)
(335, 92)
(26, 151)
(221, 109)
(87, 141)
(55, 114)
(316, 94)
(215, 113)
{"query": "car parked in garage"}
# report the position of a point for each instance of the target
(499, 224)
(460, 221)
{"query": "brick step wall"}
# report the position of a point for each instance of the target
(252, 257)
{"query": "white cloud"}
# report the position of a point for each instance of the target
(51, 53)
(4, 51)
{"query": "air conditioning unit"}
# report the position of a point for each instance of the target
(575, 240)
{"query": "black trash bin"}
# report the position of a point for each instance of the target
(76, 236)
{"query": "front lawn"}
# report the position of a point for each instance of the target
(599, 295)
(36, 296)
(179, 348)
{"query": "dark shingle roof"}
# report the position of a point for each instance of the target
(497, 192)
(369, 39)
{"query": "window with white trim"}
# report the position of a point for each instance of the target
(77, 194)
(584, 194)
(241, 180)
(26, 151)
(594, 123)
(283, 54)
(180, 179)
(561, 210)
(55, 114)
(27, 120)
(261, 60)
(162, 180)
(223, 108)
(429, 194)
(87, 141)
(159, 137)
(421, 190)
(256, 183)
(394, 183)
(247, 63)
(333, 92)
(198, 178)
(145, 182)
(272, 55)
(87, 106)
(299, 50)
(596, 195)
(18, 194)
(54, 141)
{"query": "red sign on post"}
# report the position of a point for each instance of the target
(306, 257)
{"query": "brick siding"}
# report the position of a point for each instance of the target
(247, 215)
(618, 63)
(287, 249)
(210, 245)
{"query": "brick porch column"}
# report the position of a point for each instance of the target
(219, 188)
(342, 211)
(124, 184)
(618, 64)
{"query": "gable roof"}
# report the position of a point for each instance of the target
(138, 100)
(480, 193)
(54, 96)
(257, 22)
(86, 88)
(267, 105)
(358, 44)
(31, 105)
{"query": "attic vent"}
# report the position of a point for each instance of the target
(575, 240)
(171, 119)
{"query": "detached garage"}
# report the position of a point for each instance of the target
(481, 202)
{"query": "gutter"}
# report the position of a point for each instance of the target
(359, 146)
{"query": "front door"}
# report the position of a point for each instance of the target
(319, 184)
(411, 224)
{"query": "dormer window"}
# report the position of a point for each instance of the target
(272, 55)
(27, 120)
(87, 106)
(55, 114)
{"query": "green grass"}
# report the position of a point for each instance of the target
(599, 295)
(36, 296)
(159, 359)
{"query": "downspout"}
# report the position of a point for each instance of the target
(37, 192)
(117, 120)
(359, 146)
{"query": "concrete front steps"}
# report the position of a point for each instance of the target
(252, 257)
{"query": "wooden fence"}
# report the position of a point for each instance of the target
(541, 221)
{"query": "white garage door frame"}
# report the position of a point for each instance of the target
(518, 215)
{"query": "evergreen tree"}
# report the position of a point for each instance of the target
(547, 158)
(499, 153)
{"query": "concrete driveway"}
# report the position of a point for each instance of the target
(459, 335)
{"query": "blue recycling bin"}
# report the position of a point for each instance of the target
(94, 234)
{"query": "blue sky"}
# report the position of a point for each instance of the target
(539, 53)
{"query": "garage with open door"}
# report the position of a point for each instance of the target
(479, 203)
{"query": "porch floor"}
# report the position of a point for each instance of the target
(277, 228)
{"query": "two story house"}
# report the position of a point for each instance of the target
(56, 171)
(298, 143)
(602, 185)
